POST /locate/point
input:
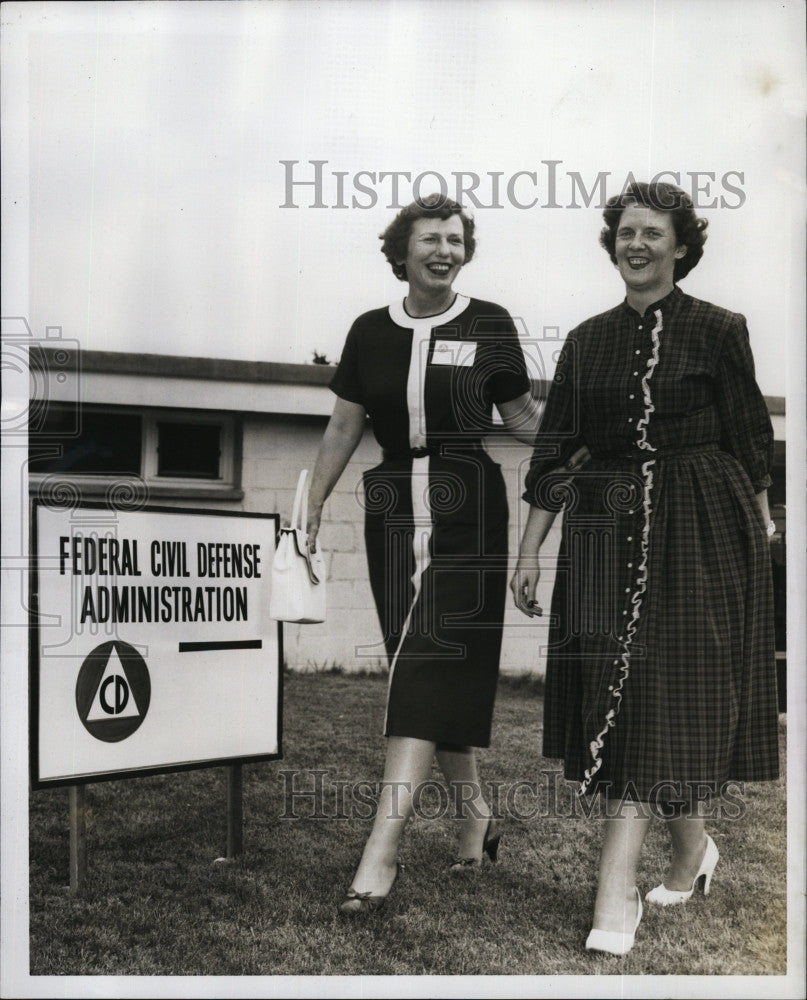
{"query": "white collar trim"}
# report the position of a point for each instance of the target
(400, 316)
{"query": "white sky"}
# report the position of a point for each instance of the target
(156, 133)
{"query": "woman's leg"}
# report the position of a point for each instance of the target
(688, 834)
(626, 826)
(458, 765)
(408, 764)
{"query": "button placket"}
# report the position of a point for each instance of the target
(633, 420)
(632, 395)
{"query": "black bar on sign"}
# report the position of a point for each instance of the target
(201, 647)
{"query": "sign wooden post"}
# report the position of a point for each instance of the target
(77, 795)
(235, 811)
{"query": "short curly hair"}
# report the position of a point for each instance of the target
(661, 197)
(395, 245)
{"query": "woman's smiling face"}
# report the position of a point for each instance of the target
(646, 250)
(435, 254)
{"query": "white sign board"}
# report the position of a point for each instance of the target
(152, 646)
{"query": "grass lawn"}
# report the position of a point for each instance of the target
(156, 903)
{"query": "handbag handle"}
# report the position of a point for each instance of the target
(300, 501)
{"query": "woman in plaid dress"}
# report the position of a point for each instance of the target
(661, 683)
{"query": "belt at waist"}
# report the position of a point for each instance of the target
(645, 454)
(441, 448)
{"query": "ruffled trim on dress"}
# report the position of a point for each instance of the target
(636, 597)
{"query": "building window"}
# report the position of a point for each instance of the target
(188, 450)
(105, 445)
(173, 452)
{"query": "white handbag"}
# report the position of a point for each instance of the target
(298, 575)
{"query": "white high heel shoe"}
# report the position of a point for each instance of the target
(662, 896)
(615, 942)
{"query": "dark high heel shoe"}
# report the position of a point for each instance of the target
(490, 846)
(356, 903)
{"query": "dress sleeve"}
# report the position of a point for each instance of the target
(746, 426)
(346, 382)
(560, 433)
(510, 379)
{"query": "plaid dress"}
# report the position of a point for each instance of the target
(661, 680)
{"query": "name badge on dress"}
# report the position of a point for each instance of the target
(454, 352)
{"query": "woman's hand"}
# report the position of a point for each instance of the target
(577, 461)
(523, 584)
(528, 569)
(314, 517)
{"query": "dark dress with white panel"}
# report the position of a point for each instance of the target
(436, 508)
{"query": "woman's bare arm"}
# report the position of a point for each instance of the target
(341, 437)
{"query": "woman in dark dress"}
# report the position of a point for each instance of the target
(661, 683)
(428, 370)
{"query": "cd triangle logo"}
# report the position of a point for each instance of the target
(113, 698)
(113, 691)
